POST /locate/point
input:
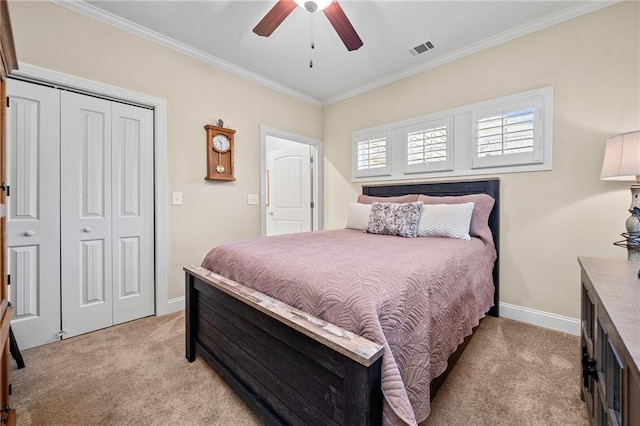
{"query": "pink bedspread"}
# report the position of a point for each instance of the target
(418, 297)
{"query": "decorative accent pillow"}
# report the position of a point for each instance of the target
(370, 199)
(395, 219)
(481, 211)
(446, 220)
(358, 216)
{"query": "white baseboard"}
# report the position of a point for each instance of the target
(173, 305)
(540, 318)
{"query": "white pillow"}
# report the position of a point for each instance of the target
(358, 216)
(446, 220)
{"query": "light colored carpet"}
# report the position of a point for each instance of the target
(513, 373)
(136, 374)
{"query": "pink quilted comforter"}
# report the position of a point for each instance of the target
(418, 297)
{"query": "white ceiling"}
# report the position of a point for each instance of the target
(220, 32)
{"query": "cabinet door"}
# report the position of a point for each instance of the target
(587, 338)
(87, 288)
(631, 408)
(33, 225)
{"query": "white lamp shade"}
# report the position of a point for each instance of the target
(622, 157)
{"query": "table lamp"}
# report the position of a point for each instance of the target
(622, 162)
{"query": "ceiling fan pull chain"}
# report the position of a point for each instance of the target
(313, 46)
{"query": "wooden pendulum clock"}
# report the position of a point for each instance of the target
(219, 152)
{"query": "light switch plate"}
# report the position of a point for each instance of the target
(176, 198)
(252, 199)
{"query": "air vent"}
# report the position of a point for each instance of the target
(421, 48)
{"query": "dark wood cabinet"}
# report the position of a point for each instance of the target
(8, 63)
(610, 340)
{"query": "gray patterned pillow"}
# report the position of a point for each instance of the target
(395, 219)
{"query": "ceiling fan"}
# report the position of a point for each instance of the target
(331, 9)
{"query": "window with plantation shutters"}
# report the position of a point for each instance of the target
(428, 147)
(372, 155)
(507, 135)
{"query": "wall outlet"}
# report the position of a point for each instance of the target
(252, 199)
(176, 198)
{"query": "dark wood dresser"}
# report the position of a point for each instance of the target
(611, 341)
(8, 63)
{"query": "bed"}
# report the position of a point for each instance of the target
(306, 360)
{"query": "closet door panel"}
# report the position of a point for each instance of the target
(86, 213)
(33, 226)
(132, 214)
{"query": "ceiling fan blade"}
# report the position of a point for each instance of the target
(274, 17)
(343, 27)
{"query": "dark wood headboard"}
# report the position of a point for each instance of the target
(464, 187)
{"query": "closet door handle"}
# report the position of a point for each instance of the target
(87, 229)
(28, 233)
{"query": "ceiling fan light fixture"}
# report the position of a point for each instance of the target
(314, 5)
(331, 9)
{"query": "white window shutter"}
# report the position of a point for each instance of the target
(428, 146)
(508, 134)
(372, 154)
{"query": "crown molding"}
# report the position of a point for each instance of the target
(531, 27)
(124, 24)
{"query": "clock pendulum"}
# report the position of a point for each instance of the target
(220, 167)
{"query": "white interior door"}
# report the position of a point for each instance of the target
(87, 285)
(289, 208)
(132, 212)
(33, 222)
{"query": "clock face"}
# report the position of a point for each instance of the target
(221, 143)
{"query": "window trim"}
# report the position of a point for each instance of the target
(533, 157)
(372, 172)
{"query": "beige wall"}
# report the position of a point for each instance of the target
(54, 37)
(547, 218)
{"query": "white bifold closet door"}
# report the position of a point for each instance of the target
(80, 232)
(33, 216)
(132, 212)
(107, 213)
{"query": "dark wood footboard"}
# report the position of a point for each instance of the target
(289, 367)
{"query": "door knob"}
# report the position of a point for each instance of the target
(28, 233)
(87, 229)
(270, 213)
